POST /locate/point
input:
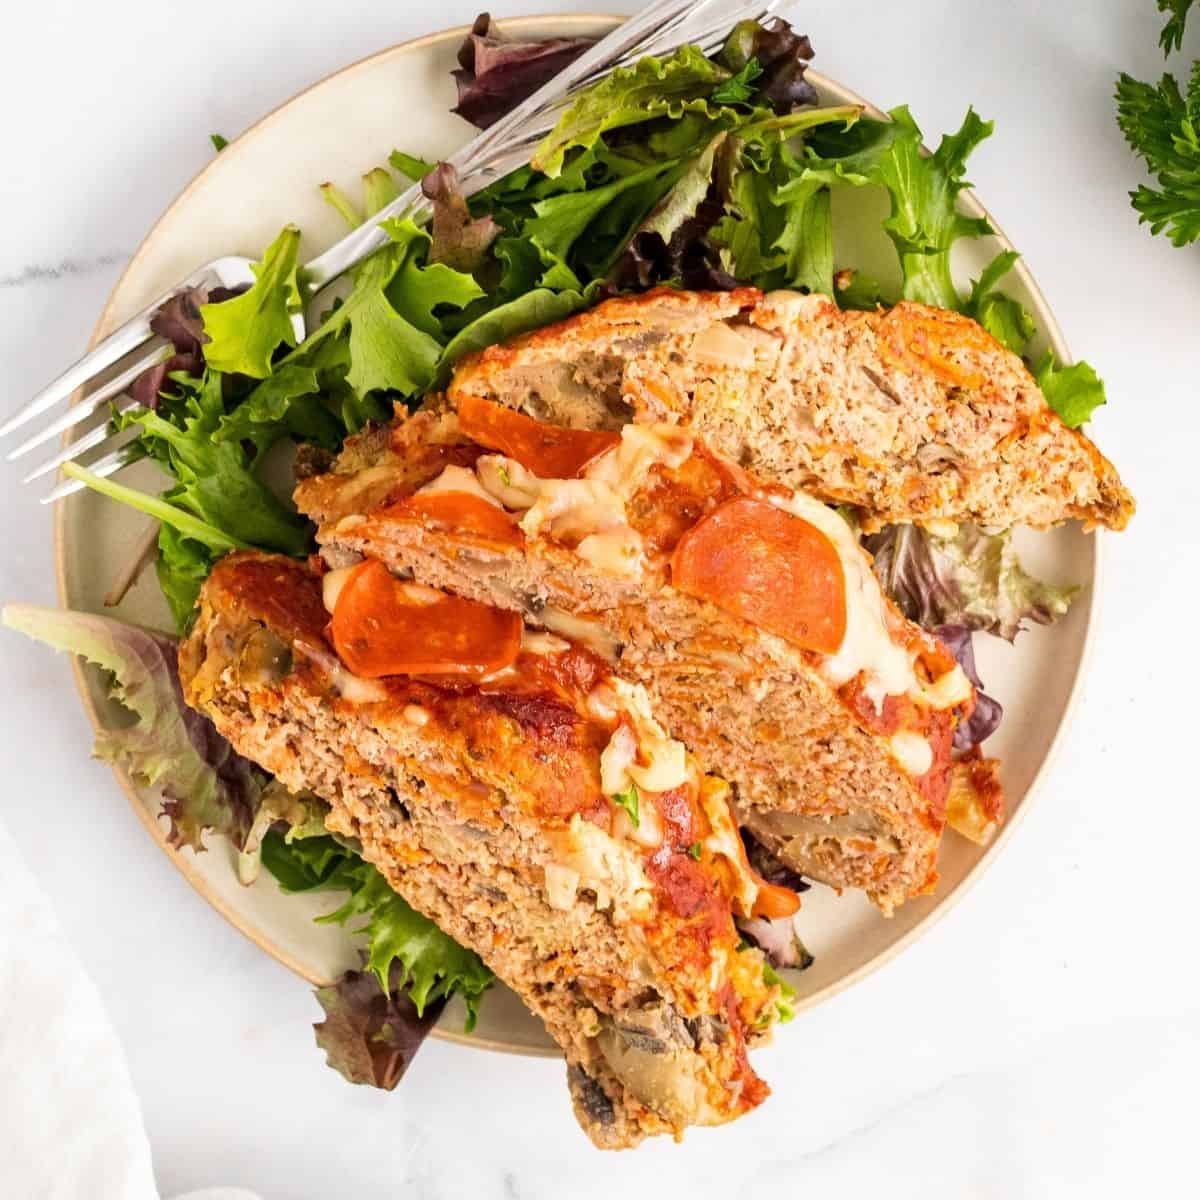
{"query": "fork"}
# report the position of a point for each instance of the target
(659, 29)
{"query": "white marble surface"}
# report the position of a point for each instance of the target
(1042, 1041)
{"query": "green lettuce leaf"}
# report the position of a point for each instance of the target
(431, 966)
(559, 222)
(285, 404)
(650, 88)
(1073, 392)
(386, 350)
(182, 566)
(245, 332)
(805, 242)
(216, 480)
(738, 89)
(166, 745)
(1003, 317)
(972, 579)
(925, 222)
(530, 311)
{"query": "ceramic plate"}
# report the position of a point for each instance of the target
(336, 130)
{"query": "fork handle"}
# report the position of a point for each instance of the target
(656, 20)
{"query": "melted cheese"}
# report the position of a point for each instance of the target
(332, 583)
(912, 752)
(610, 869)
(641, 448)
(648, 831)
(867, 646)
(660, 762)
(348, 685)
(562, 884)
(590, 510)
(725, 842)
(952, 688)
(615, 760)
(459, 479)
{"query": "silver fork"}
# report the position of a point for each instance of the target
(658, 29)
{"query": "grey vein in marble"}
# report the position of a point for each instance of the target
(68, 268)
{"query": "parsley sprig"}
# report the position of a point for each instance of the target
(1161, 123)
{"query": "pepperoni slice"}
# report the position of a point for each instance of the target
(457, 513)
(382, 626)
(768, 567)
(549, 451)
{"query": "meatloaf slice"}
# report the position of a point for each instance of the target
(913, 414)
(840, 761)
(481, 804)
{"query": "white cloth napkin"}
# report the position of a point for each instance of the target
(70, 1123)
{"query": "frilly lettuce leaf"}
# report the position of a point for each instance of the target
(205, 784)
(216, 479)
(432, 965)
(651, 88)
(182, 566)
(405, 950)
(529, 311)
(925, 222)
(288, 402)
(244, 332)
(388, 351)
(1073, 392)
(972, 579)
(672, 241)
(1003, 317)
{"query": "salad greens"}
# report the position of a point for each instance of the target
(204, 782)
(972, 578)
(1161, 123)
(404, 949)
(376, 1018)
(244, 332)
(206, 785)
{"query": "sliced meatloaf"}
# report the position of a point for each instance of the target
(480, 797)
(913, 414)
(748, 612)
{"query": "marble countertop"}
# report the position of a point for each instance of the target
(1043, 1040)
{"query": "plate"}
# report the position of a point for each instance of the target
(336, 130)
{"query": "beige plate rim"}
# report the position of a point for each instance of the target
(945, 903)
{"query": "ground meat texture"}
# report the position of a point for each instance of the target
(450, 804)
(912, 414)
(816, 781)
